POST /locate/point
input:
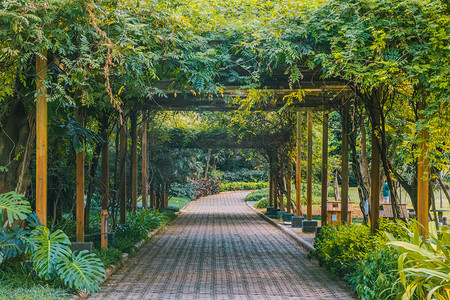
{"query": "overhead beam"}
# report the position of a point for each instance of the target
(317, 101)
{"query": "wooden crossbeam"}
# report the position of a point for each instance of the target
(315, 99)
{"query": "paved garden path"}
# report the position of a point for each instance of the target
(221, 249)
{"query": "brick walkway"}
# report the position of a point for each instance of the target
(221, 249)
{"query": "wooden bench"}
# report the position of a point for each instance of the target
(441, 213)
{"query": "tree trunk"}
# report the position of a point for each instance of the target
(90, 192)
(208, 158)
(358, 169)
(337, 196)
(17, 133)
(134, 168)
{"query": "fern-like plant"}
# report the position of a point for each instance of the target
(81, 271)
(54, 247)
(15, 206)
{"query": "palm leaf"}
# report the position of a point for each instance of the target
(53, 248)
(15, 205)
(81, 271)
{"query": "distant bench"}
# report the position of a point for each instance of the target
(441, 213)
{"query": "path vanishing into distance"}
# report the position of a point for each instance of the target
(219, 248)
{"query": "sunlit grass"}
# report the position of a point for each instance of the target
(179, 202)
(16, 283)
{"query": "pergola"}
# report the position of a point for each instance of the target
(318, 95)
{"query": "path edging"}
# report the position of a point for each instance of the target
(125, 256)
(307, 246)
(112, 269)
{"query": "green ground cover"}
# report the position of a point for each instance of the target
(394, 263)
(18, 283)
(179, 202)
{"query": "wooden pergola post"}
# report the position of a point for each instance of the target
(41, 138)
(344, 167)
(105, 187)
(270, 190)
(281, 184)
(298, 168)
(144, 162)
(324, 213)
(375, 161)
(80, 187)
(134, 169)
(423, 179)
(123, 177)
(288, 186)
(309, 167)
(275, 192)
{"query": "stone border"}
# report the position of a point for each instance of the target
(307, 246)
(113, 269)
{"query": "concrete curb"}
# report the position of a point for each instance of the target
(111, 270)
(308, 247)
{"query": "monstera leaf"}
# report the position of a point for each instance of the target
(15, 205)
(81, 271)
(54, 247)
(16, 241)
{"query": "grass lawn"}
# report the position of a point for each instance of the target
(179, 202)
(16, 283)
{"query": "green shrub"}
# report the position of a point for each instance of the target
(110, 256)
(241, 186)
(341, 249)
(138, 227)
(263, 203)
(196, 188)
(363, 259)
(374, 278)
(245, 175)
(257, 195)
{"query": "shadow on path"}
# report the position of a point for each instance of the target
(221, 249)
